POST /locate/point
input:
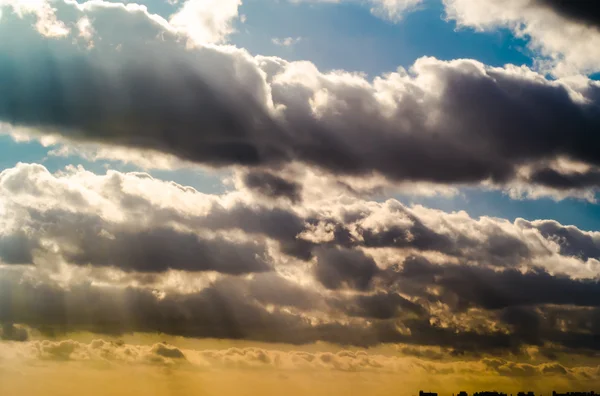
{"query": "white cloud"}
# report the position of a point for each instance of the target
(129, 205)
(206, 21)
(394, 10)
(47, 23)
(218, 105)
(86, 30)
(287, 41)
(133, 245)
(567, 47)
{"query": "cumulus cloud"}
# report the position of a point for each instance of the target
(43, 11)
(126, 368)
(206, 21)
(582, 11)
(118, 220)
(440, 122)
(344, 267)
(393, 10)
(340, 360)
(287, 41)
(565, 33)
(270, 185)
(11, 332)
(125, 252)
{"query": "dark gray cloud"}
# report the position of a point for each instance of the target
(222, 310)
(86, 239)
(214, 107)
(417, 235)
(168, 351)
(273, 186)
(584, 11)
(155, 236)
(489, 245)
(218, 311)
(339, 267)
(381, 305)
(565, 181)
(16, 248)
(571, 240)
(279, 224)
(491, 289)
(525, 322)
(134, 90)
(488, 295)
(161, 249)
(269, 308)
(10, 332)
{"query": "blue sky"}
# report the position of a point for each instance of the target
(347, 36)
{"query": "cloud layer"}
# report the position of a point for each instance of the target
(122, 368)
(456, 122)
(121, 253)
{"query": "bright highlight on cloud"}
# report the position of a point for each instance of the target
(206, 21)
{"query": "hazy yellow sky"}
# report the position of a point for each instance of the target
(144, 365)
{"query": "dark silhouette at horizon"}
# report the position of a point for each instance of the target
(496, 393)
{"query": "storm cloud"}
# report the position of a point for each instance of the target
(582, 11)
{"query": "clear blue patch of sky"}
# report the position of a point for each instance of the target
(347, 36)
(11, 153)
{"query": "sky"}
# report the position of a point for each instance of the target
(244, 197)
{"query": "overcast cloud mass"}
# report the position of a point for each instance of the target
(308, 262)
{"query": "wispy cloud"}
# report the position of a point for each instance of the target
(287, 41)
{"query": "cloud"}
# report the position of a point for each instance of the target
(125, 252)
(456, 122)
(47, 23)
(394, 10)
(582, 11)
(572, 241)
(565, 34)
(119, 218)
(270, 185)
(287, 41)
(338, 267)
(206, 21)
(491, 289)
(126, 368)
(167, 351)
(16, 248)
(340, 360)
(11, 332)
(83, 237)
(158, 250)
